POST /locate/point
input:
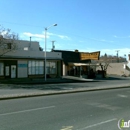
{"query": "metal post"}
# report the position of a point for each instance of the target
(45, 54)
(45, 48)
(117, 56)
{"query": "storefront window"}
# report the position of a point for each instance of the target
(1, 69)
(35, 67)
(51, 67)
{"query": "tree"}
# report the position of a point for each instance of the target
(104, 66)
(104, 62)
(7, 40)
(40, 48)
(105, 55)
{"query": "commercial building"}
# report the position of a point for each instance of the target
(78, 64)
(27, 61)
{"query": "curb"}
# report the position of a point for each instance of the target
(58, 93)
(56, 82)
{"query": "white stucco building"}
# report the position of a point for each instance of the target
(28, 61)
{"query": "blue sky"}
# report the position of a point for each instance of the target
(86, 25)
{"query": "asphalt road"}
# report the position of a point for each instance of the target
(97, 110)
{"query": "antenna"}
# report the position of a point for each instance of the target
(53, 46)
(30, 43)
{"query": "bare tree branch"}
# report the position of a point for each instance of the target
(7, 40)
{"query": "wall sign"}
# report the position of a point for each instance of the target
(91, 56)
(22, 65)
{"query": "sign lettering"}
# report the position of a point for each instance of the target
(91, 56)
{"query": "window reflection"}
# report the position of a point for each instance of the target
(35, 67)
(51, 67)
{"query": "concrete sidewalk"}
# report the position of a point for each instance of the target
(64, 79)
(12, 91)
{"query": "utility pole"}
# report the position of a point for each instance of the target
(125, 57)
(53, 46)
(117, 55)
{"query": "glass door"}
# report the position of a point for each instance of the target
(13, 71)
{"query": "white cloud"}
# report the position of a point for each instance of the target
(81, 41)
(3, 33)
(33, 35)
(121, 37)
(102, 40)
(63, 37)
(43, 35)
(115, 36)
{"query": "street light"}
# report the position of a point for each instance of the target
(45, 47)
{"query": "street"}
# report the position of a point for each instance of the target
(96, 110)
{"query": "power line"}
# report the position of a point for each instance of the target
(86, 38)
(42, 27)
(22, 24)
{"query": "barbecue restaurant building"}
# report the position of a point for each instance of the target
(79, 64)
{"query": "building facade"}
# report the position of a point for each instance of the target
(27, 61)
(116, 66)
(76, 64)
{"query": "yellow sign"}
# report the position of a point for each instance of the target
(91, 56)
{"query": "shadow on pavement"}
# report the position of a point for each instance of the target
(113, 78)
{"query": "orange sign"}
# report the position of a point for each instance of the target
(91, 56)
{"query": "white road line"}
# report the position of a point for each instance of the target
(67, 128)
(29, 110)
(123, 96)
(98, 124)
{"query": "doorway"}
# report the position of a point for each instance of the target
(13, 71)
(10, 68)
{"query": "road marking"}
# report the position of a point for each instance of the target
(109, 107)
(90, 126)
(121, 95)
(106, 106)
(29, 110)
(67, 128)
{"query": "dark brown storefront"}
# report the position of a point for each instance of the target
(78, 63)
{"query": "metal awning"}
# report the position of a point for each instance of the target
(82, 64)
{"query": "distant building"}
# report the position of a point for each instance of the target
(112, 59)
(117, 66)
(129, 57)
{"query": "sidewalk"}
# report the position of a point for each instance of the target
(64, 79)
(21, 88)
(12, 91)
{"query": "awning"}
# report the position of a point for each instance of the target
(82, 64)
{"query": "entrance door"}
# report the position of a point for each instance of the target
(7, 71)
(13, 71)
